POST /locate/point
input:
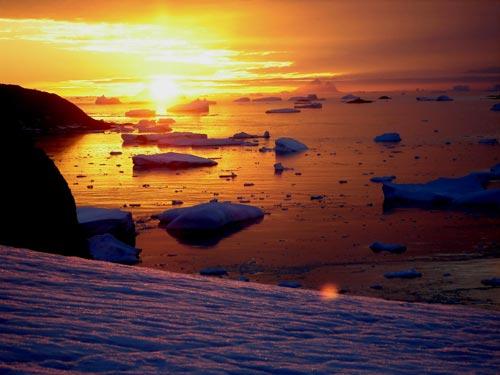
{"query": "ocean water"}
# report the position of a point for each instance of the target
(299, 238)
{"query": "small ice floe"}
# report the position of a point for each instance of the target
(495, 107)
(95, 220)
(196, 106)
(202, 142)
(377, 247)
(213, 271)
(349, 97)
(495, 171)
(283, 110)
(288, 145)
(494, 281)
(115, 153)
(208, 217)
(358, 101)
(384, 97)
(382, 178)
(171, 160)
(462, 191)
(244, 99)
(244, 135)
(488, 141)
(266, 149)
(231, 175)
(248, 184)
(444, 98)
(311, 105)
(388, 137)
(140, 113)
(106, 247)
(425, 99)
(317, 197)
(405, 274)
(290, 284)
(279, 168)
(268, 99)
(177, 202)
(151, 126)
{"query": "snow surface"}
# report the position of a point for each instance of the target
(209, 216)
(288, 145)
(171, 160)
(68, 314)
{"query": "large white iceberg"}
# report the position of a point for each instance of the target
(106, 247)
(286, 145)
(209, 217)
(171, 160)
(96, 220)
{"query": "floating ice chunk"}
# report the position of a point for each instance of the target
(349, 97)
(242, 100)
(196, 106)
(495, 107)
(384, 97)
(213, 271)
(495, 171)
(311, 105)
(425, 99)
(212, 216)
(444, 98)
(106, 247)
(290, 284)
(288, 145)
(268, 99)
(388, 137)
(494, 281)
(244, 135)
(377, 247)
(155, 138)
(488, 141)
(278, 168)
(171, 160)
(140, 113)
(443, 191)
(405, 274)
(283, 110)
(382, 178)
(317, 197)
(151, 126)
(358, 101)
(202, 142)
(94, 221)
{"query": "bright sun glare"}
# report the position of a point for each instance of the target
(163, 91)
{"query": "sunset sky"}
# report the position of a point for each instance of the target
(134, 48)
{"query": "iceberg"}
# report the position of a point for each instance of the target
(388, 137)
(349, 97)
(268, 99)
(288, 145)
(243, 135)
(95, 221)
(405, 274)
(209, 217)
(444, 98)
(495, 107)
(140, 113)
(172, 160)
(107, 248)
(313, 105)
(103, 100)
(151, 126)
(359, 101)
(377, 247)
(282, 110)
(382, 178)
(196, 106)
(242, 100)
(462, 191)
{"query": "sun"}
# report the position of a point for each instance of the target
(163, 90)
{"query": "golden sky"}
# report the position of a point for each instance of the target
(218, 47)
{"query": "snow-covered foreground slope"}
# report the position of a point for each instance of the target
(60, 314)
